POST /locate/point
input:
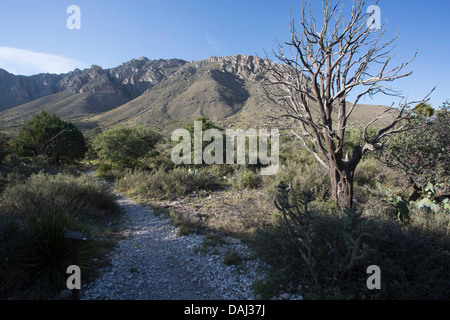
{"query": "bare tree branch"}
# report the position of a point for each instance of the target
(323, 65)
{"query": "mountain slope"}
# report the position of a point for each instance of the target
(161, 94)
(228, 90)
(69, 106)
(221, 89)
(78, 94)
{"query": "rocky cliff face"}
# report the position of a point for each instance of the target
(246, 67)
(223, 89)
(140, 91)
(16, 90)
(129, 80)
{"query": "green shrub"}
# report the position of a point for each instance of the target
(157, 161)
(265, 288)
(125, 146)
(34, 254)
(19, 169)
(429, 221)
(422, 152)
(109, 172)
(279, 250)
(104, 167)
(34, 216)
(221, 171)
(244, 178)
(5, 147)
(183, 231)
(413, 259)
(311, 177)
(164, 184)
(369, 173)
(42, 191)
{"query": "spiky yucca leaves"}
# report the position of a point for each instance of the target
(47, 254)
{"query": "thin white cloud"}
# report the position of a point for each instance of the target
(27, 62)
(212, 42)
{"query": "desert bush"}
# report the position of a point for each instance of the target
(17, 170)
(109, 172)
(42, 191)
(422, 153)
(414, 260)
(33, 217)
(162, 184)
(5, 147)
(302, 175)
(231, 258)
(424, 218)
(342, 245)
(291, 149)
(369, 173)
(244, 178)
(330, 250)
(103, 167)
(157, 161)
(221, 171)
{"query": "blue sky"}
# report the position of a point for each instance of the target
(34, 37)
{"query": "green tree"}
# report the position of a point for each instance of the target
(47, 134)
(206, 125)
(123, 146)
(422, 153)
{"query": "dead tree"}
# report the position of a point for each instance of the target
(314, 77)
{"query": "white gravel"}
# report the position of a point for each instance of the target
(153, 263)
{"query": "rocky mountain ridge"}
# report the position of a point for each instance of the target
(161, 94)
(139, 91)
(130, 80)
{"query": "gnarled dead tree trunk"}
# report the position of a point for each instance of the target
(315, 77)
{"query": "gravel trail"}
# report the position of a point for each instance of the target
(153, 263)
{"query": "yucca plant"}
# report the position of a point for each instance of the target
(10, 257)
(48, 253)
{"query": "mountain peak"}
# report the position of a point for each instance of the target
(172, 88)
(95, 67)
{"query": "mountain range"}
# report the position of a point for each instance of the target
(161, 94)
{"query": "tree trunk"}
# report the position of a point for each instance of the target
(342, 186)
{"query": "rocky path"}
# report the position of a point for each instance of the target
(153, 263)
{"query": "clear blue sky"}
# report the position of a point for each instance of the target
(34, 36)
